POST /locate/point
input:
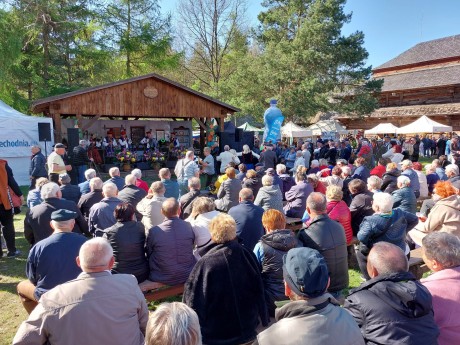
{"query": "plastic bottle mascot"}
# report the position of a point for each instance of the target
(273, 119)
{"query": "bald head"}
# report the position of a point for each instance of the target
(170, 208)
(130, 180)
(95, 184)
(246, 194)
(386, 258)
(96, 255)
(110, 190)
(316, 204)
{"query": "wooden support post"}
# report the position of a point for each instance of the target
(90, 123)
(57, 128)
(80, 122)
(202, 133)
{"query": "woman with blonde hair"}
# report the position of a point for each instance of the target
(338, 210)
(390, 178)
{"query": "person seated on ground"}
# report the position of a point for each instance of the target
(286, 179)
(338, 210)
(444, 214)
(115, 178)
(150, 206)
(93, 197)
(404, 197)
(299, 161)
(37, 220)
(203, 211)
(406, 167)
(441, 253)
(186, 200)
(43, 271)
(171, 187)
(68, 190)
(226, 265)
(140, 183)
(422, 180)
(361, 171)
(241, 172)
(361, 203)
(390, 178)
(317, 185)
(227, 196)
(33, 197)
(387, 224)
(297, 196)
(452, 173)
(346, 176)
(87, 310)
(380, 169)
(269, 196)
(101, 214)
(252, 181)
(431, 177)
(392, 307)
(335, 179)
(132, 194)
(374, 183)
(173, 324)
(328, 237)
(169, 249)
(127, 238)
(248, 218)
(84, 186)
(311, 316)
(269, 251)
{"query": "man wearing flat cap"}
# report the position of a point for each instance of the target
(51, 261)
(56, 163)
(312, 316)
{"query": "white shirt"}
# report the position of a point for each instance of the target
(225, 158)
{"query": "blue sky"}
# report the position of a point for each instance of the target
(390, 26)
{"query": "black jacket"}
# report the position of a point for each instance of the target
(88, 200)
(275, 245)
(186, 203)
(225, 289)
(268, 158)
(37, 165)
(37, 221)
(253, 184)
(393, 309)
(360, 207)
(128, 242)
(71, 192)
(328, 237)
(80, 156)
(389, 181)
(132, 195)
(346, 192)
(288, 183)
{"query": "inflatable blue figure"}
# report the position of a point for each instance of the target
(273, 119)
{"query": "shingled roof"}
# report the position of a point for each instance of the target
(439, 76)
(438, 49)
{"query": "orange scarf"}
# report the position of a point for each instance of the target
(4, 186)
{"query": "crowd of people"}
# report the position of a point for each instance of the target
(247, 278)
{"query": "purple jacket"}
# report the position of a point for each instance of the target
(444, 286)
(297, 199)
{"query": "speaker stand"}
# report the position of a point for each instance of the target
(46, 152)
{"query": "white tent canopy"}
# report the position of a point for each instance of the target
(424, 125)
(18, 133)
(291, 130)
(250, 128)
(327, 126)
(382, 128)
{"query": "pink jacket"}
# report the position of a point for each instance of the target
(339, 211)
(444, 286)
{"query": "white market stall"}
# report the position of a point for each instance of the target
(382, 128)
(328, 129)
(424, 125)
(19, 133)
(291, 130)
(250, 128)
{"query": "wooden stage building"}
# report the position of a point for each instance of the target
(424, 80)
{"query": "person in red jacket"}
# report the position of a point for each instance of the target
(338, 210)
(380, 169)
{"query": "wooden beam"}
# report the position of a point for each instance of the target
(90, 123)
(201, 123)
(80, 122)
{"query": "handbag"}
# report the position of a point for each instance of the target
(14, 200)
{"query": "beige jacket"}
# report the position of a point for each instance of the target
(444, 216)
(151, 211)
(96, 308)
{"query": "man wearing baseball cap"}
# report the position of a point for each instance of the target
(312, 316)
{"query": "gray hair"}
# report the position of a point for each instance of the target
(202, 205)
(83, 142)
(109, 189)
(246, 194)
(194, 183)
(114, 172)
(49, 190)
(442, 247)
(130, 180)
(189, 154)
(314, 163)
(90, 173)
(317, 202)
(64, 178)
(436, 163)
(299, 154)
(383, 201)
(226, 148)
(430, 168)
(164, 172)
(280, 168)
(267, 180)
(137, 172)
(406, 164)
(346, 170)
(404, 180)
(173, 324)
(388, 258)
(375, 182)
(95, 183)
(453, 168)
(95, 253)
(157, 188)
